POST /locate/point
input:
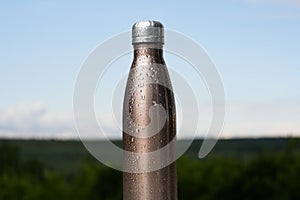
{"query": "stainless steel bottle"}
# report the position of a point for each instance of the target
(149, 87)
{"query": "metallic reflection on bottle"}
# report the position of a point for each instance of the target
(149, 92)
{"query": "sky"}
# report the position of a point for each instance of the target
(254, 44)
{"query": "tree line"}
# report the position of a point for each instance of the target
(267, 175)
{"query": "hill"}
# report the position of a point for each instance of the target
(67, 156)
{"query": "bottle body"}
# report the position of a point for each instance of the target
(149, 91)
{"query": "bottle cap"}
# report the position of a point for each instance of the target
(148, 31)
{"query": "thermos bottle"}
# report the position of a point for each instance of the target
(149, 101)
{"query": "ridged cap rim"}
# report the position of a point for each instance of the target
(147, 31)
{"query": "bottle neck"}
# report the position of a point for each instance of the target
(148, 50)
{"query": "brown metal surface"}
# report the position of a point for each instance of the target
(162, 183)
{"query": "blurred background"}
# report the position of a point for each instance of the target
(255, 45)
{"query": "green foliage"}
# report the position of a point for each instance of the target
(28, 180)
(9, 158)
(97, 182)
(265, 175)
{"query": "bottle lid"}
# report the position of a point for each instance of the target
(144, 32)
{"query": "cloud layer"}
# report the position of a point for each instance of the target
(243, 119)
(34, 121)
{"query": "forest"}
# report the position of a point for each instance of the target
(236, 169)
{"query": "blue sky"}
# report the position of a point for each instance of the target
(255, 45)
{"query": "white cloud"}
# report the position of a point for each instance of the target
(33, 120)
(243, 119)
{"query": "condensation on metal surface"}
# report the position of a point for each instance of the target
(143, 98)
